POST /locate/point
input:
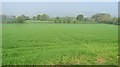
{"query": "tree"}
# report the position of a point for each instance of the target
(8, 19)
(34, 18)
(80, 18)
(102, 18)
(67, 19)
(58, 19)
(4, 18)
(20, 19)
(38, 17)
(45, 17)
(115, 20)
(25, 17)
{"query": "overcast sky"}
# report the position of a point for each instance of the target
(59, 8)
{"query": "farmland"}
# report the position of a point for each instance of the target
(77, 44)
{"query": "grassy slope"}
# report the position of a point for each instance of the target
(60, 44)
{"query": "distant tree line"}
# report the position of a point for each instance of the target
(14, 19)
(43, 17)
(105, 18)
(99, 18)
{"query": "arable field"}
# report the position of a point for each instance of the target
(39, 44)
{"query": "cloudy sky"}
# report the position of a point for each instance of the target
(59, 8)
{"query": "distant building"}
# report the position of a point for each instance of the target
(11, 17)
(16, 16)
(89, 19)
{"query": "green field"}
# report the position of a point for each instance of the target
(38, 44)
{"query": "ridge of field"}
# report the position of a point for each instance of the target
(44, 44)
(59, 22)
